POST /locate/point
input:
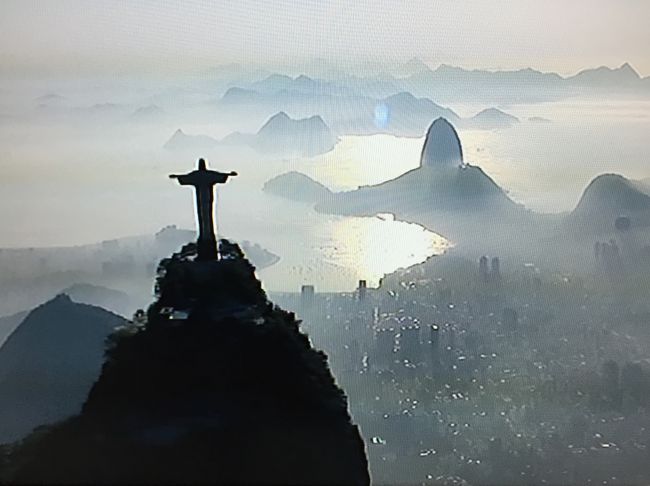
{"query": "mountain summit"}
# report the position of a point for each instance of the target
(49, 363)
(607, 197)
(441, 187)
(282, 134)
(441, 145)
(216, 385)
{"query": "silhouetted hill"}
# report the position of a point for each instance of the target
(9, 323)
(181, 141)
(49, 363)
(441, 183)
(284, 135)
(607, 197)
(491, 118)
(441, 145)
(297, 186)
(218, 386)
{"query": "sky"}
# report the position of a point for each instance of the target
(117, 36)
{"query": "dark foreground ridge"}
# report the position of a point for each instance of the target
(217, 386)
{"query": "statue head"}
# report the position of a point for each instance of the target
(202, 164)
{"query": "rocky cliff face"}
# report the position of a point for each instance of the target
(441, 145)
(218, 386)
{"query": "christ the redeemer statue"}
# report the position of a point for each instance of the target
(203, 181)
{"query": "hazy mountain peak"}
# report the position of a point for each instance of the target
(58, 349)
(303, 78)
(61, 299)
(416, 62)
(414, 65)
(283, 134)
(447, 68)
(297, 186)
(401, 97)
(627, 68)
(492, 118)
(441, 145)
(491, 112)
(605, 75)
(280, 115)
(181, 140)
(609, 195)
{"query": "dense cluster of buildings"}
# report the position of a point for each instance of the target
(516, 377)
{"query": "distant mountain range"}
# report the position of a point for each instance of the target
(49, 362)
(402, 99)
(299, 84)
(284, 135)
(347, 113)
(454, 83)
(622, 77)
(280, 135)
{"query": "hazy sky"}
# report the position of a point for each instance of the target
(78, 36)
